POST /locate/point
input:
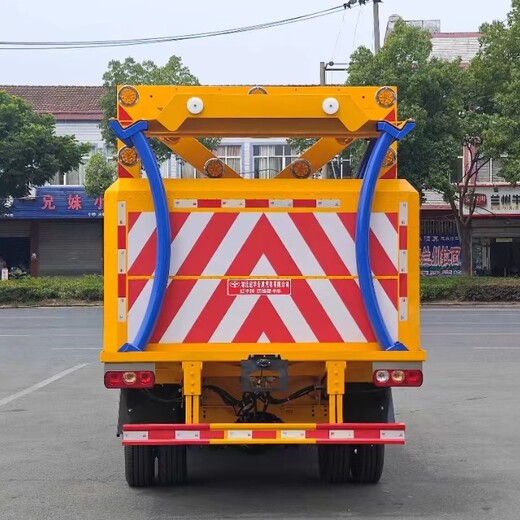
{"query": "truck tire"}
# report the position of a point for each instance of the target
(367, 463)
(139, 465)
(334, 463)
(172, 465)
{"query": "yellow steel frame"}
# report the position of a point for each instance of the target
(232, 111)
(282, 111)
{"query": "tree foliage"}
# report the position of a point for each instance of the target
(30, 151)
(456, 109)
(99, 175)
(496, 70)
(430, 91)
(130, 72)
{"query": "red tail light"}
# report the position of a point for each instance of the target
(398, 378)
(129, 379)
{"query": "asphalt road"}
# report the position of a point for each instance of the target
(60, 459)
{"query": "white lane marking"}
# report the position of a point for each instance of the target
(477, 309)
(470, 324)
(468, 333)
(496, 348)
(41, 384)
(76, 348)
(47, 335)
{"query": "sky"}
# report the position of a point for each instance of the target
(284, 55)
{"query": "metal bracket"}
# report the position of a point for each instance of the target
(260, 373)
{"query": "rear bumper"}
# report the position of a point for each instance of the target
(249, 433)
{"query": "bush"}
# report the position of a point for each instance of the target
(46, 289)
(470, 289)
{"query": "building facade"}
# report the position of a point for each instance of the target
(57, 229)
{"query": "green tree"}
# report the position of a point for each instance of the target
(130, 72)
(441, 97)
(496, 70)
(30, 151)
(99, 175)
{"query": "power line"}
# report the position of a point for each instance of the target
(89, 44)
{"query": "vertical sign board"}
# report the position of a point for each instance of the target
(440, 255)
(5, 275)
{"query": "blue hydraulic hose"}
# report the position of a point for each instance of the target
(364, 160)
(366, 197)
(134, 136)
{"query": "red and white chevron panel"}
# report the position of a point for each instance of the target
(231, 244)
(278, 301)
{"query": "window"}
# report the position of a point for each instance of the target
(458, 170)
(231, 155)
(268, 160)
(74, 177)
(490, 170)
(496, 171)
(438, 227)
(483, 170)
(340, 167)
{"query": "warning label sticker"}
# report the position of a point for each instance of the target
(258, 287)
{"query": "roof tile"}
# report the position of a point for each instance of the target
(62, 101)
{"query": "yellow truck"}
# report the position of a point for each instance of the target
(253, 312)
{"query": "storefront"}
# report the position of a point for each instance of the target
(55, 231)
(440, 245)
(496, 231)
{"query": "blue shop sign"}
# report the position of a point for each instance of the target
(440, 255)
(52, 202)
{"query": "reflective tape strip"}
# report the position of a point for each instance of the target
(233, 203)
(240, 434)
(328, 203)
(392, 434)
(121, 261)
(403, 214)
(256, 203)
(135, 436)
(403, 309)
(281, 203)
(403, 261)
(341, 434)
(184, 203)
(292, 434)
(121, 213)
(121, 309)
(186, 435)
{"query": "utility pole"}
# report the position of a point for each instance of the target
(323, 80)
(377, 34)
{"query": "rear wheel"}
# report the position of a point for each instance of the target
(172, 465)
(334, 463)
(367, 463)
(139, 465)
